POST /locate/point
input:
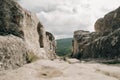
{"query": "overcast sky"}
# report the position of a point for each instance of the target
(63, 17)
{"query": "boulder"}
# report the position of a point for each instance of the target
(29, 34)
(110, 22)
(51, 45)
(79, 40)
(12, 52)
(104, 43)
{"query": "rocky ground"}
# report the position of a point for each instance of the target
(62, 70)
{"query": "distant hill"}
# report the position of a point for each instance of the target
(64, 47)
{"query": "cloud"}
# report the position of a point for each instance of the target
(63, 17)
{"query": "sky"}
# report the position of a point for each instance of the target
(63, 17)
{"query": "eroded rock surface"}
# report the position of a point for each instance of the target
(104, 43)
(60, 70)
(50, 44)
(12, 52)
(110, 22)
(29, 34)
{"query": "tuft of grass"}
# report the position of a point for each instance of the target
(31, 57)
(98, 70)
(103, 72)
(106, 73)
(111, 74)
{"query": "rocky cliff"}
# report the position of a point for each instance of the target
(50, 45)
(103, 43)
(21, 33)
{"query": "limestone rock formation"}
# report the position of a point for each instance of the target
(110, 22)
(28, 35)
(99, 25)
(12, 52)
(79, 37)
(51, 45)
(104, 43)
(61, 70)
